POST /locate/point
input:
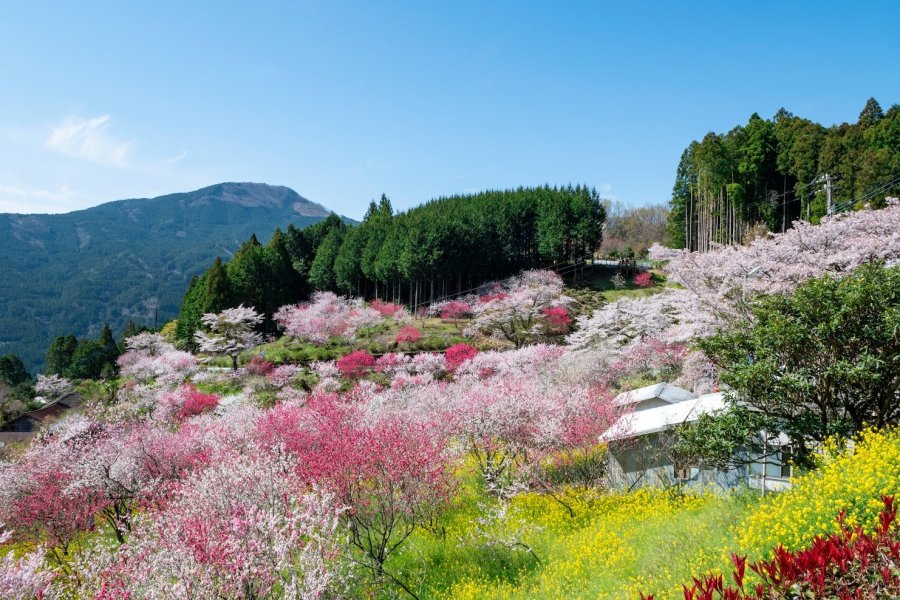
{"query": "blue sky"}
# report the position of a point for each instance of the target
(344, 101)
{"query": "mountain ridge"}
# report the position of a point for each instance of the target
(125, 259)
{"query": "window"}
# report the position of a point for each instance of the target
(787, 456)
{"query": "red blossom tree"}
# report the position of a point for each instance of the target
(457, 354)
(196, 403)
(643, 279)
(356, 364)
(259, 366)
(408, 333)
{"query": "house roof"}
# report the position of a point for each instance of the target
(664, 391)
(652, 420)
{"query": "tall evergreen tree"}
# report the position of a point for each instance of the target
(217, 294)
(12, 370)
(59, 355)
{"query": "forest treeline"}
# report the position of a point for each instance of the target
(771, 172)
(445, 246)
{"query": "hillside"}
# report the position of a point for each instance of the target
(121, 260)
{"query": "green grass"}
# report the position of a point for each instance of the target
(597, 289)
(437, 336)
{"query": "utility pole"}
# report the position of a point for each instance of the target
(828, 191)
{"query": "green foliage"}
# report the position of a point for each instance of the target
(823, 361)
(60, 353)
(12, 370)
(445, 246)
(714, 440)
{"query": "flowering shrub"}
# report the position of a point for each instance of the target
(259, 366)
(356, 364)
(458, 354)
(408, 333)
(643, 279)
(848, 565)
(386, 309)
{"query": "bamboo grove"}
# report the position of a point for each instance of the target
(444, 247)
(768, 173)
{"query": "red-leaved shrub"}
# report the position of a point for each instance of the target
(643, 280)
(356, 364)
(408, 333)
(458, 354)
(850, 565)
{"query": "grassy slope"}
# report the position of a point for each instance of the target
(615, 547)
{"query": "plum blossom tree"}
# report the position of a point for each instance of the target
(240, 529)
(521, 308)
(230, 332)
(326, 316)
(408, 333)
(458, 354)
(150, 358)
(393, 476)
(356, 364)
(37, 502)
(22, 578)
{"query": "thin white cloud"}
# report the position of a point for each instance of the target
(27, 200)
(175, 159)
(89, 139)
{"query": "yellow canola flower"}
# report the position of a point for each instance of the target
(848, 479)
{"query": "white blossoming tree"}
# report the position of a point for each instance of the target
(230, 332)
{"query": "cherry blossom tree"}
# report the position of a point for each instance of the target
(230, 332)
(52, 387)
(725, 277)
(150, 358)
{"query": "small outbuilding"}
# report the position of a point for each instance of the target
(642, 444)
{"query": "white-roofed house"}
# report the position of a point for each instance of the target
(642, 444)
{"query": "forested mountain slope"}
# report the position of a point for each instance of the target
(124, 260)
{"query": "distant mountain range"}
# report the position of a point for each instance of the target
(125, 260)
